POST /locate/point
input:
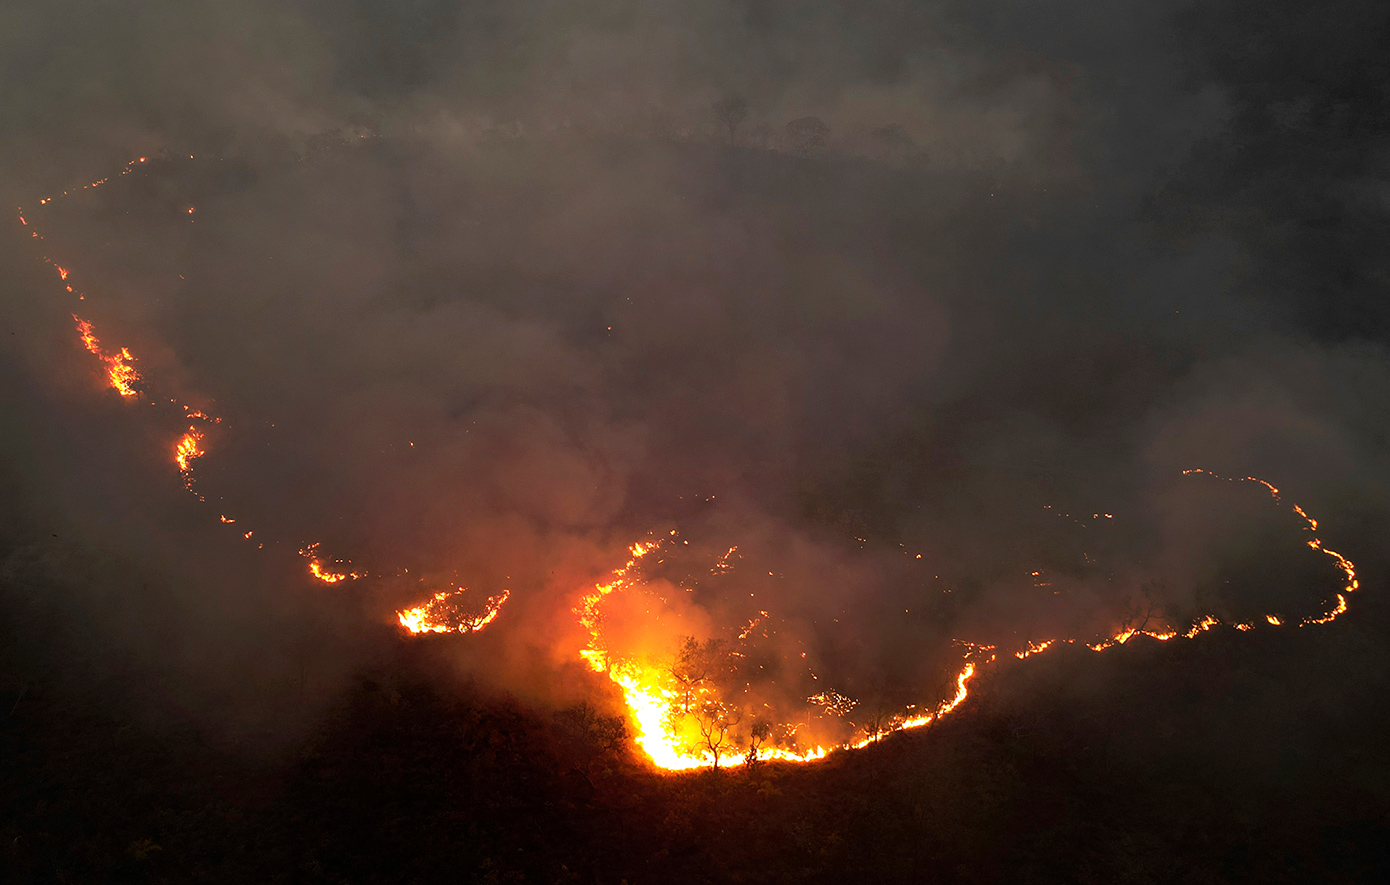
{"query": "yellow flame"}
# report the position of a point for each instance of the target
(186, 450)
(316, 569)
(649, 694)
(320, 569)
(122, 376)
(439, 615)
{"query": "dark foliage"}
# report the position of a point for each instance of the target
(1246, 758)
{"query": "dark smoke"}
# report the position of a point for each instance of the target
(489, 291)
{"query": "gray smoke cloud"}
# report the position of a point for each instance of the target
(488, 291)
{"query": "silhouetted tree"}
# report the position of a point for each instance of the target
(731, 110)
(877, 719)
(758, 735)
(716, 721)
(704, 693)
(590, 734)
(696, 667)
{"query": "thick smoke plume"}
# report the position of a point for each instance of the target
(923, 311)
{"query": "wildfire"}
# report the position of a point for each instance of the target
(588, 609)
(322, 570)
(445, 613)
(186, 451)
(682, 722)
(316, 569)
(1207, 622)
(1034, 648)
(681, 719)
(119, 371)
(649, 697)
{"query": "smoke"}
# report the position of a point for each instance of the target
(485, 292)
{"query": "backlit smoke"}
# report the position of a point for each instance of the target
(889, 351)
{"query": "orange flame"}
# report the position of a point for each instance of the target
(441, 614)
(647, 693)
(320, 569)
(187, 450)
(1207, 622)
(650, 695)
(316, 569)
(122, 376)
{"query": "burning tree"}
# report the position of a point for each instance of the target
(708, 707)
(716, 721)
(878, 719)
(758, 735)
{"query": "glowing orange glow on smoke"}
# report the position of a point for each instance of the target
(649, 688)
(1207, 622)
(651, 694)
(659, 706)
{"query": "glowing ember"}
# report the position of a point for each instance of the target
(316, 569)
(1033, 648)
(447, 612)
(325, 570)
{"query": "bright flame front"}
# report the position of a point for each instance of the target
(683, 723)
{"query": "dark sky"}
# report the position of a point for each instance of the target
(1046, 257)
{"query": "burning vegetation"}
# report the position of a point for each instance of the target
(697, 704)
(703, 702)
(365, 340)
(453, 611)
(120, 374)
